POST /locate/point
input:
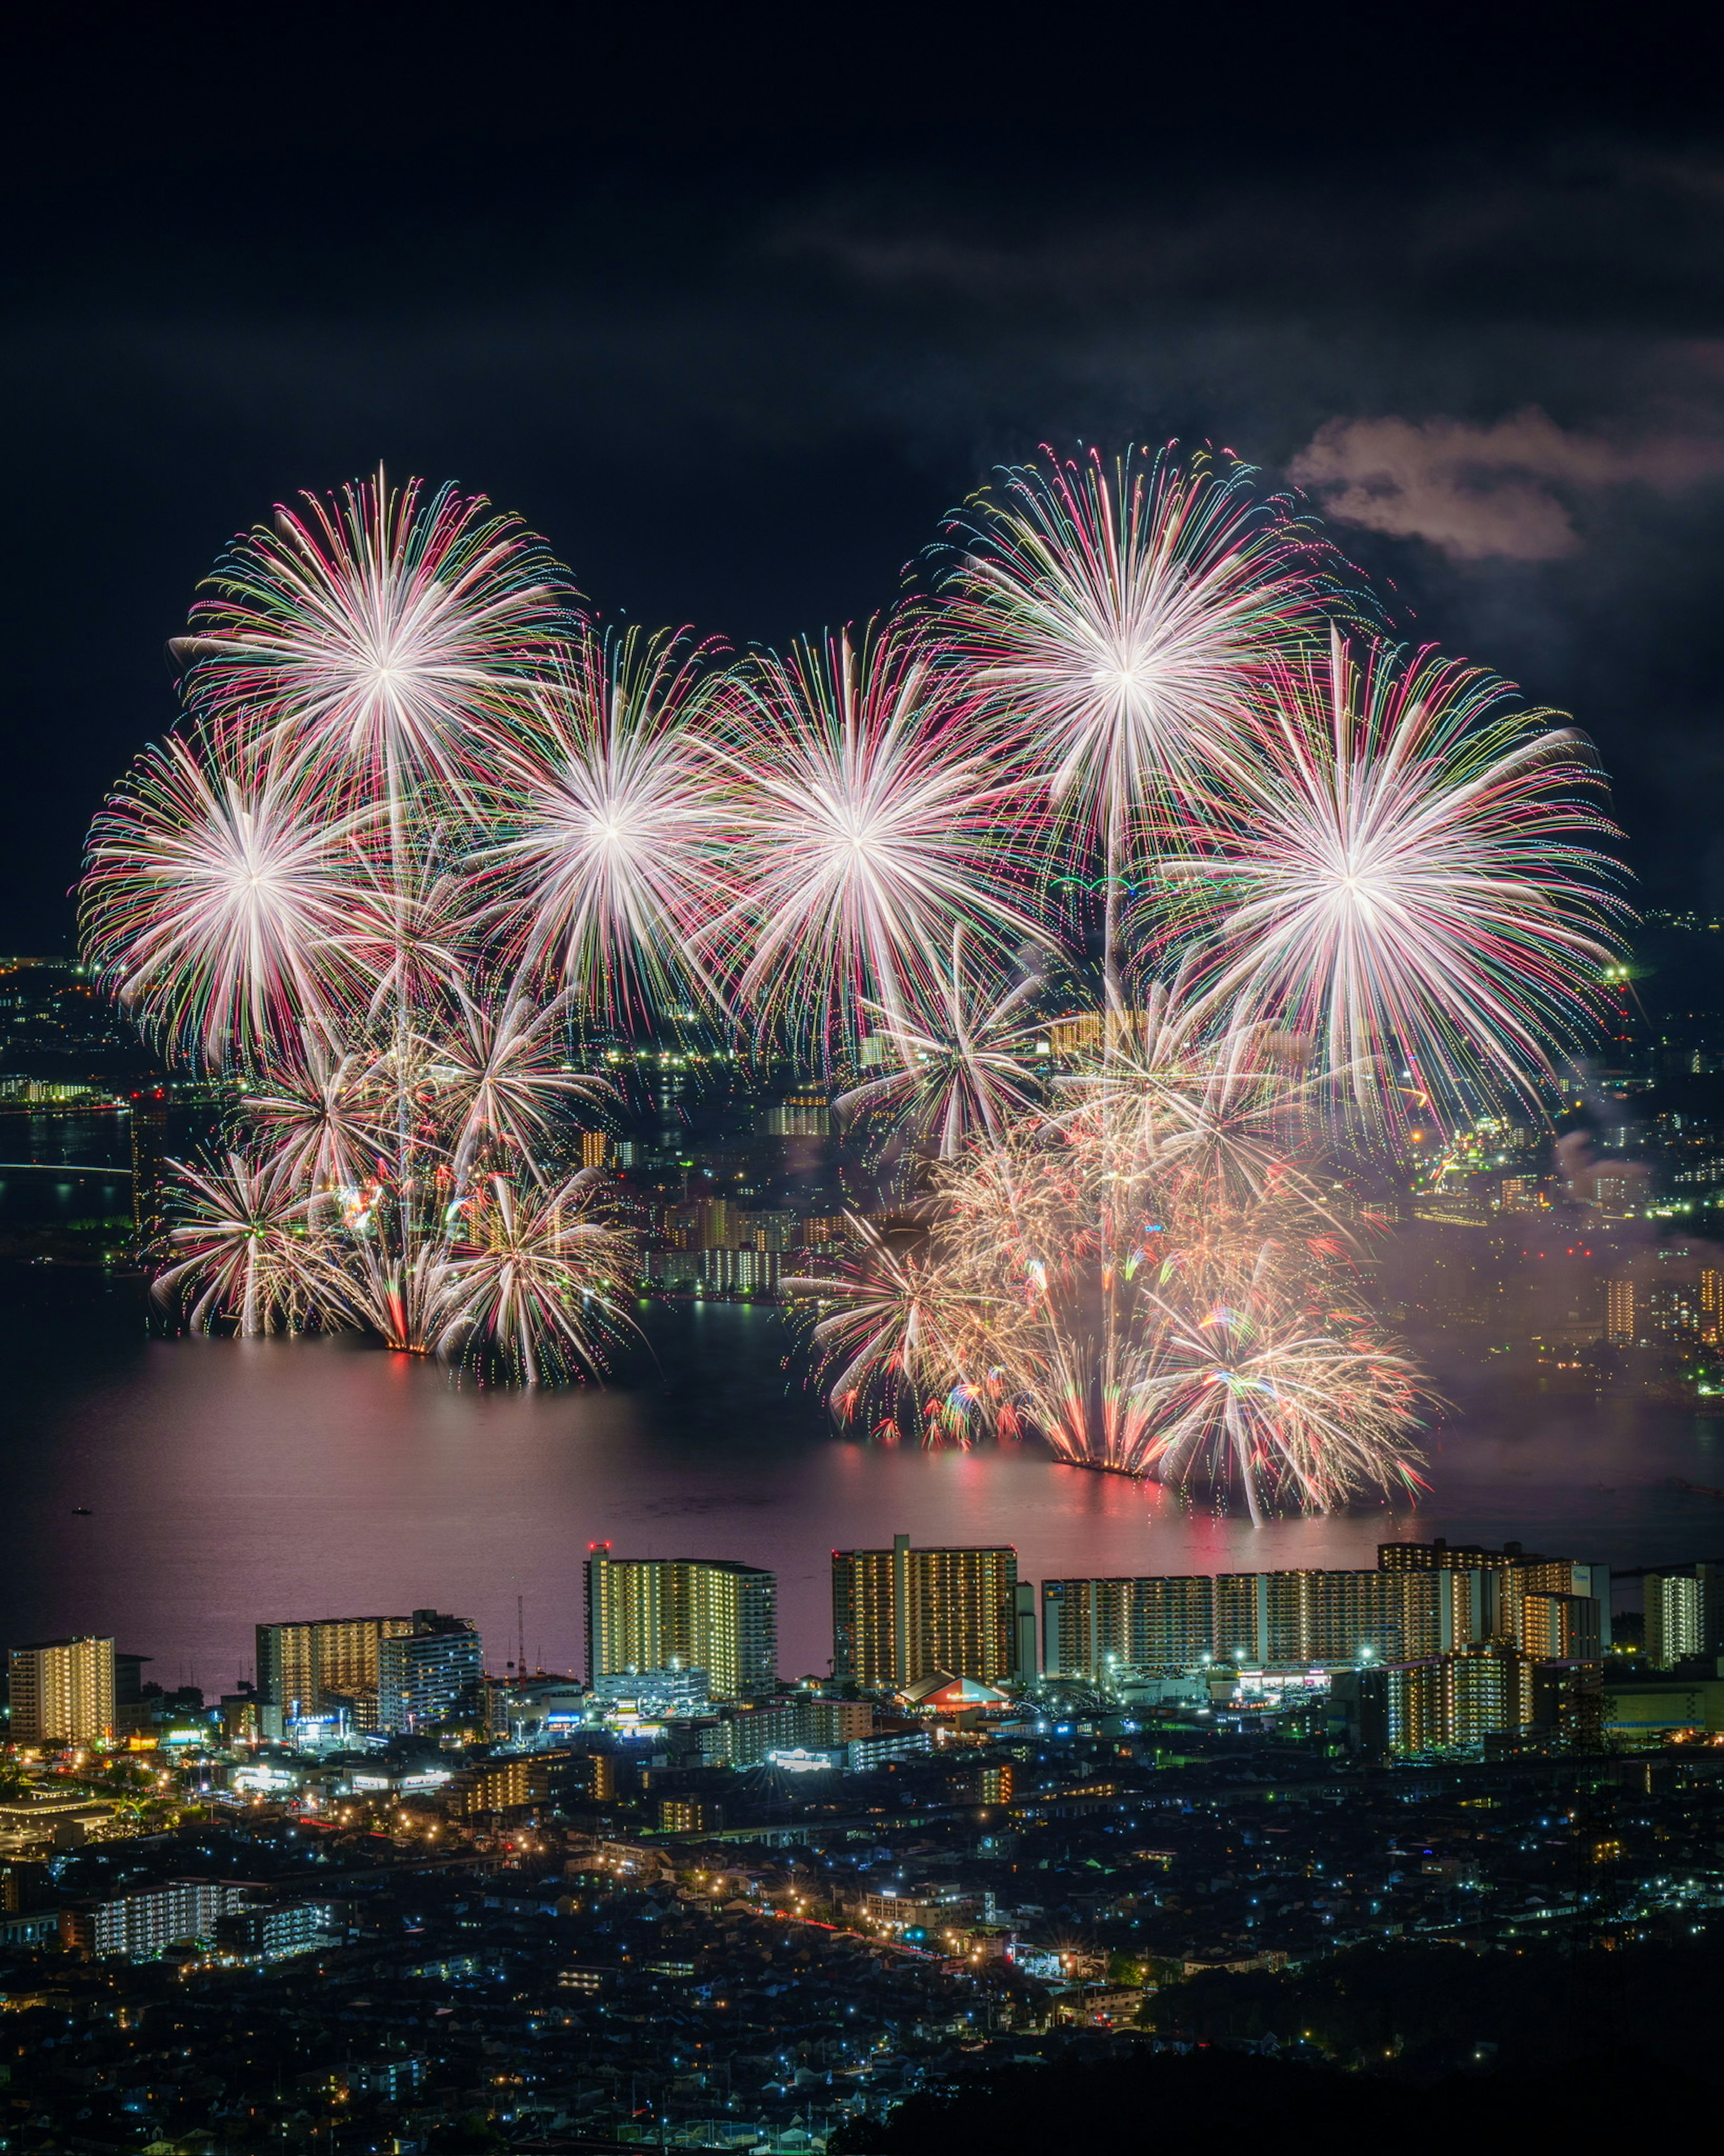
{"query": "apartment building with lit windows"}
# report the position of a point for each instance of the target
(708, 1614)
(901, 1614)
(62, 1691)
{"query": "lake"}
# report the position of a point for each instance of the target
(230, 1481)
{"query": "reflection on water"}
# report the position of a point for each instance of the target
(232, 1482)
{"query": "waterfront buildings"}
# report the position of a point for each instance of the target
(901, 1614)
(62, 1691)
(1449, 1634)
(650, 1613)
(307, 1668)
(430, 1674)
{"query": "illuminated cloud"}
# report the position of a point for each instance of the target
(1475, 492)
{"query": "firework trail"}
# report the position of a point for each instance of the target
(1270, 1377)
(1409, 871)
(871, 819)
(621, 827)
(965, 1069)
(534, 1278)
(1120, 614)
(221, 900)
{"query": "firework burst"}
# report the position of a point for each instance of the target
(965, 1069)
(871, 820)
(381, 626)
(1119, 615)
(221, 900)
(502, 1065)
(240, 1250)
(1266, 1375)
(534, 1278)
(620, 823)
(321, 1116)
(1412, 872)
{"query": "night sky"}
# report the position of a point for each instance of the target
(733, 304)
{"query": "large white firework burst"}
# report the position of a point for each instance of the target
(1406, 867)
(618, 829)
(871, 819)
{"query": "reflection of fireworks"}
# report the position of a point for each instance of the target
(870, 821)
(1403, 868)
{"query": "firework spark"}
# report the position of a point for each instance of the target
(870, 820)
(1409, 870)
(222, 901)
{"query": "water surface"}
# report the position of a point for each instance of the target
(230, 1481)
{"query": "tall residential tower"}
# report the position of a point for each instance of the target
(901, 1615)
(687, 1613)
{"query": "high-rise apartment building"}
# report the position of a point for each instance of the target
(306, 1667)
(1446, 1702)
(683, 1612)
(1559, 1628)
(901, 1615)
(1096, 1627)
(1620, 1314)
(62, 1691)
(1502, 1581)
(1487, 1691)
(431, 1673)
(1684, 1614)
(806, 1113)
